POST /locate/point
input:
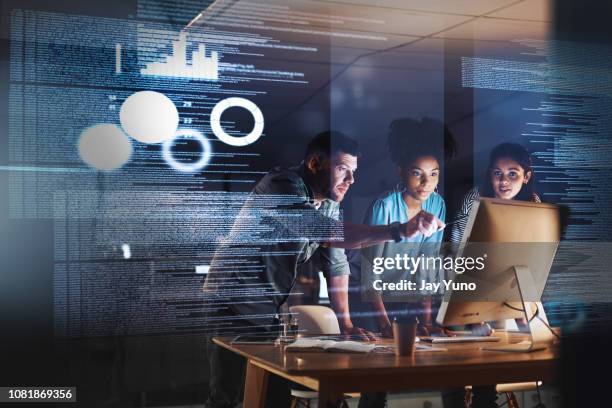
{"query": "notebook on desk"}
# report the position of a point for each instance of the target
(346, 346)
(314, 344)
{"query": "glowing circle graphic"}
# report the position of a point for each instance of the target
(187, 167)
(215, 121)
(149, 117)
(104, 147)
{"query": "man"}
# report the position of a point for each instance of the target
(291, 215)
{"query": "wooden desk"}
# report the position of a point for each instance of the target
(333, 374)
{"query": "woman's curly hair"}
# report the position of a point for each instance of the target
(409, 139)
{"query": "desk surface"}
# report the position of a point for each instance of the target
(460, 364)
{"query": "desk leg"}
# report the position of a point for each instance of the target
(328, 397)
(255, 386)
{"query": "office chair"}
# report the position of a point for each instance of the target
(508, 390)
(314, 319)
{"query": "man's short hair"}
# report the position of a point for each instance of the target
(331, 142)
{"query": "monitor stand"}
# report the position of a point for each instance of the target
(539, 335)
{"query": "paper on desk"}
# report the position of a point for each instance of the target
(391, 349)
(420, 347)
(348, 346)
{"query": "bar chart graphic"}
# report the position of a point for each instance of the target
(176, 65)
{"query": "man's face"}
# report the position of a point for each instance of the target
(337, 174)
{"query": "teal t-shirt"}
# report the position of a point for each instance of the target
(391, 207)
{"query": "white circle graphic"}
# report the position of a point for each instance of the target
(104, 147)
(149, 117)
(215, 121)
(187, 167)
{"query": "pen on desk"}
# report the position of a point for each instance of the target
(456, 220)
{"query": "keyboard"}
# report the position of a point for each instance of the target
(459, 339)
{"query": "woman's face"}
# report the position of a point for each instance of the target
(507, 178)
(421, 177)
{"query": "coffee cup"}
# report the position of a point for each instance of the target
(404, 335)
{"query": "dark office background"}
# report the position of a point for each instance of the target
(171, 369)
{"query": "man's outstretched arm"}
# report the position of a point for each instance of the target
(358, 235)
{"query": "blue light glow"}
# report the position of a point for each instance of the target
(187, 167)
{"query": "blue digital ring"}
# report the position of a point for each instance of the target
(215, 121)
(187, 167)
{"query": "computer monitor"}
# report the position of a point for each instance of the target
(519, 241)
